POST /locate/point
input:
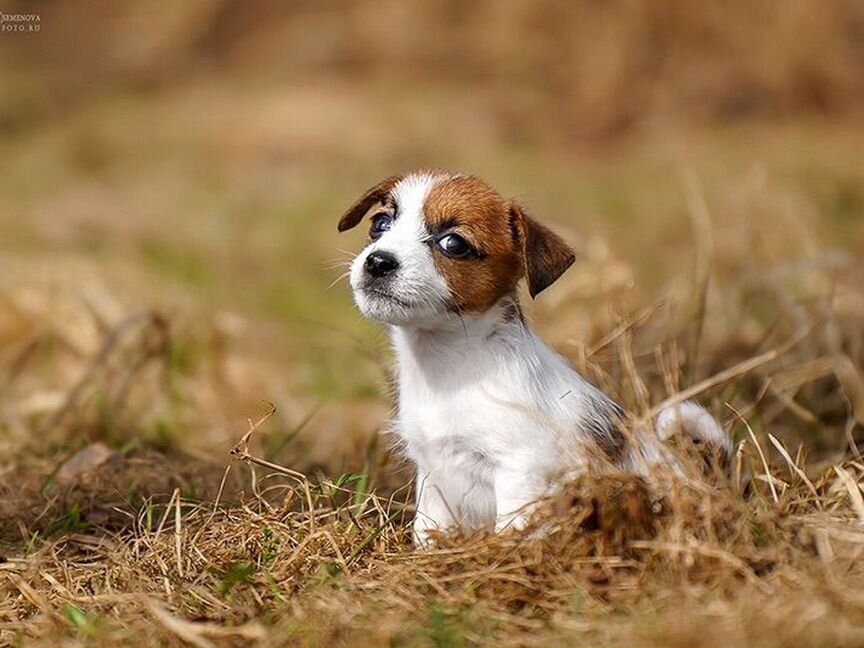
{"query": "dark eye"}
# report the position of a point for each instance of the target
(454, 246)
(381, 222)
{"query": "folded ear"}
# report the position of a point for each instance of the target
(545, 255)
(358, 210)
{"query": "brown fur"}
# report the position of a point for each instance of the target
(510, 244)
(377, 194)
(545, 254)
(475, 211)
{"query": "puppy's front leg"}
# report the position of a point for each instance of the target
(433, 512)
(516, 495)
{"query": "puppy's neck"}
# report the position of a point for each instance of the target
(460, 341)
(465, 328)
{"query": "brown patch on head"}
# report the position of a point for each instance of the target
(467, 206)
(508, 243)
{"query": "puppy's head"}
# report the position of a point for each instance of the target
(443, 244)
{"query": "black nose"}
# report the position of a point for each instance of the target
(381, 264)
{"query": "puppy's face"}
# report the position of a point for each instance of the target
(442, 245)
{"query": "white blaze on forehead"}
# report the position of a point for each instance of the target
(410, 196)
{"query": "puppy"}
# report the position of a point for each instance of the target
(490, 415)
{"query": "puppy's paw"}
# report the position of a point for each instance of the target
(696, 423)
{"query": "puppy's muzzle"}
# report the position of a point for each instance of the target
(381, 264)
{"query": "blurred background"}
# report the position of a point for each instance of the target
(171, 175)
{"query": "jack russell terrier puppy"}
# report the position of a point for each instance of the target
(491, 416)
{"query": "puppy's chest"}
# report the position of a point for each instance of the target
(478, 417)
(480, 400)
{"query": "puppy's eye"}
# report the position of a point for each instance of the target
(454, 246)
(381, 222)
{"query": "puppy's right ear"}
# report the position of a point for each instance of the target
(358, 210)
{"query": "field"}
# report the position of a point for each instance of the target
(170, 267)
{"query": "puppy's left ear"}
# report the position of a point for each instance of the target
(545, 255)
(375, 194)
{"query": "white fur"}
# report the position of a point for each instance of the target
(694, 421)
(488, 419)
(491, 416)
(419, 292)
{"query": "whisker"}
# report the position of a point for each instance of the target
(338, 264)
(338, 279)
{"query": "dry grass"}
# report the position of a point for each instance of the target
(591, 70)
(622, 563)
(168, 191)
(110, 540)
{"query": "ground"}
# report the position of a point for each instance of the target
(171, 268)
